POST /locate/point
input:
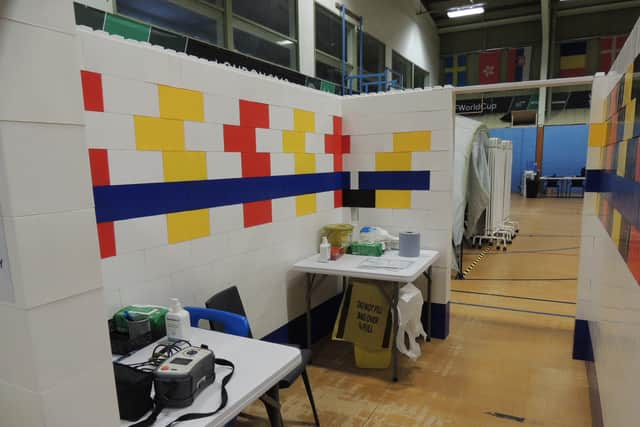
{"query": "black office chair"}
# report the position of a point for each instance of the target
(229, 300)
(576, 183)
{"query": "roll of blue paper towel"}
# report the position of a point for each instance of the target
(409, 244)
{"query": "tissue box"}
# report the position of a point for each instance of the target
(367, 248)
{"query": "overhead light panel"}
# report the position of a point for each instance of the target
(459, 12)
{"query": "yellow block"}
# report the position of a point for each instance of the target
(393, 161)
(615, 226)
(305, 163)
(573, 61)
(154, 133)
(184, 165)
(412, 141)
(622, 157)
(628, 83)
(181, 104)
(188, 225)
(293, 142)
(393, 199)
(304, 121)
(305, 204)
(629, 119)
(597, 134)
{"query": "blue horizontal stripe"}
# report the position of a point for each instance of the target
(118, 202)
(624, 193)
(400, 180)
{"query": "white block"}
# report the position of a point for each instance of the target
(224, 165)
(135, 167)
(20, 407)
(126, 96)
(268, 141)
(194, 284)
(43, 168)
(221, 109)
(140, 233)
(432, 160)
(43, 85)
(442, 140)
(226, 218)
(280, 117)
(314, 143)
(16, 331)
(359, 162)
(283, 208)
(441, 288)
(594, 158)
(199, 136)
(47, 14)
(207, 249)
(324, 163)
(398, 122)
(431, 200)
(354, 179)
(282, 164)
(324, 123)
(123, 271)
(164, 260)
(324, 201)
(440, 181)
(112, 301)
(399, 102)
(53, 256)
(375, 143)
(375, 217)
(110, 131)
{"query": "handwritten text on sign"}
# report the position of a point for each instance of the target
(6, 287)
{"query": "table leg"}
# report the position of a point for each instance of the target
(309, 291)
(427, 274)
(271, 401)
(394, 350)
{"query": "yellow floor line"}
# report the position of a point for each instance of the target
(475, 262)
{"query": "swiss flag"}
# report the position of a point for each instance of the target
(490, 66)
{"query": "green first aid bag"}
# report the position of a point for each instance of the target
(155, 314)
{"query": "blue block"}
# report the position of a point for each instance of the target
(412, 180)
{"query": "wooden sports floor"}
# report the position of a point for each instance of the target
(506, 363)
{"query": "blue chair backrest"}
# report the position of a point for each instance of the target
(233, 324)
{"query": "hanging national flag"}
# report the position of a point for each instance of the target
(490, 66)
(609, 49)
(455, 70)
(518, 64)
(573, 59)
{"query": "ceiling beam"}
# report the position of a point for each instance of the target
(487, 24)
(598, 8)
(529, 84)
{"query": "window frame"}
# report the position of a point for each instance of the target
(405, 85)
(328, 58)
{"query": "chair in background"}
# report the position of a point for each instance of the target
(233, 324)
(229, 300)
(576, 183)
(552, 184)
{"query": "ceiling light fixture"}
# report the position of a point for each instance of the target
(459, 12)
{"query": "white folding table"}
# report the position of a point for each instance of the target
(350, 266)
(259, 366)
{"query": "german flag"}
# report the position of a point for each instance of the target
(573, 59)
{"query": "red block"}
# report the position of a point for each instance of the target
(337, 162)
(332, 143)
(99, 164)
(337, 125)
(254, 114)
(337, 199)
(92, 90)
(256, 213)
(256, 164)
(239, 139)
(346, 144)
(107, 239)
(633, 259)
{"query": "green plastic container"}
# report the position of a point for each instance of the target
(155, 314)
(366, 248)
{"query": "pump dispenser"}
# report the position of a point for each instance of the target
(325, 250)
(177, 322)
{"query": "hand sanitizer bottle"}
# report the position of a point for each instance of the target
(177, 321)
(325, 250)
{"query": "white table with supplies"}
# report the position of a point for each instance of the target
(259, 366)
(389, 270)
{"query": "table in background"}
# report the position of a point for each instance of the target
(259, 367)
(563, 180)
(348, 266)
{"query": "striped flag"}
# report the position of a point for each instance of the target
(573, 59)
(518, 64)
(455, 70)
(609, 49)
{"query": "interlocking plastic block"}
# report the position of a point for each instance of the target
(154, 133)
(135, 167)
(393, 199)
(239, 139)
(106, 239)
(597, 134)
(188, 225)
(394, 180)
(125, 96)
(99, 163)
(127, 28)
(359, 198)
(181, 104)
(338, 165)
(305, 163)
(346, 144)
(332, 144)
(304, 121)
(305, 204)
(633, 259)
(254, 114)
(293, 142)
(268, 141)
(393, 161)
(281, 117)
(412, 141)
(184, 166)
(337, 199)
(222, 165)
(256, 213)
(256, 164)
(337, 125)
(616, 226)
(92, 90)
(203, 136)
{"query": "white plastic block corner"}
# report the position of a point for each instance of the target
(109, 131)
(268, 141)
(222, 165)
(135, 167)
(199, 136)
(442, 140)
